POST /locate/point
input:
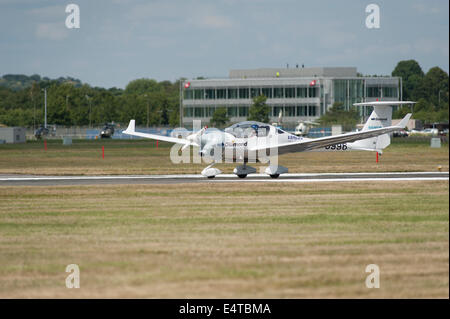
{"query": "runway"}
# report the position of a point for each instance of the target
(33, 180)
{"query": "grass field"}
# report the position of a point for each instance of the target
(142, 157)
(228, 240)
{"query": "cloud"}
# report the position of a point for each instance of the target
(50, 12)
(51, 31)
(426, 8)
(212, 21)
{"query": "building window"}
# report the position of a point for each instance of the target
(278, 93)
(199, 94)
(232, 93)
(210, 94)
(302, 110)
(289, 111)
(267, 92)
(210, 111)
(312, 110)
(301, 92)
(389, 92)
(313, 92)
(188, 94)
(221, 94)
(254, 92)
(198, 112)
(243, 111)
(276, 111)
(289, 93)
(373, 91)
(188, 112)
(243, 93)
(232, 111)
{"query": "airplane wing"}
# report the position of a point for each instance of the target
(131, 131)
(303, 146)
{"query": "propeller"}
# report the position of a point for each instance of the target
(194, 138)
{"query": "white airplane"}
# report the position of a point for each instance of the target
(252, 141)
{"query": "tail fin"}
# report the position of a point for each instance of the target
(131, 127)
(381, 117)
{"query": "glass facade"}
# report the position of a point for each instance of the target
(382, 91)
(348, 92)
(254, 92)
(278, 93)
(221, 94)
(289, 93)
(242, 111)
(232, 93)
(243, 93)
(199, 94)
(267, 92)
(302, 92)
(251, 92)
(294, 100)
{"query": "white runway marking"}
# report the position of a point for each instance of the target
(284, 177)
(314, 180)
(33, 180)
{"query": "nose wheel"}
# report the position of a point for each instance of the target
(242, 175)
(275, 175)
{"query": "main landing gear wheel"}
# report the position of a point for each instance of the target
(210, 177)
(242, 175)
(275, 175)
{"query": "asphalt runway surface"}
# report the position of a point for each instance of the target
(34, 180)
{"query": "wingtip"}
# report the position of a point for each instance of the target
(405, 120)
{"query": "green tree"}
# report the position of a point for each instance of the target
(142, 86)
(337, 114)
(435, 81)
(220, 118)
(411, 74)
(259, 111)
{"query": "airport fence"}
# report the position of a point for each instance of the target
(90, 133)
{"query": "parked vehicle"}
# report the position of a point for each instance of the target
(107, 131)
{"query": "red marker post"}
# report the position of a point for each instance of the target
(157, 143)
(103, 152)
(45, 144)
(377, 157)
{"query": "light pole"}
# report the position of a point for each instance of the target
(34, 107)
(45, 107)
(90, 110)
(181, 102)
(148, 109)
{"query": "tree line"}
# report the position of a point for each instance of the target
(73, 103)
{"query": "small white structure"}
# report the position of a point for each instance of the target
(13, 134)
(435, 142)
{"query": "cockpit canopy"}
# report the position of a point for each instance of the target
(249, 129)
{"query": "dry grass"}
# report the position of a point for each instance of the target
(142, 157)
(227, 240)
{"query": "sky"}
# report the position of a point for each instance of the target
(122, 40)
